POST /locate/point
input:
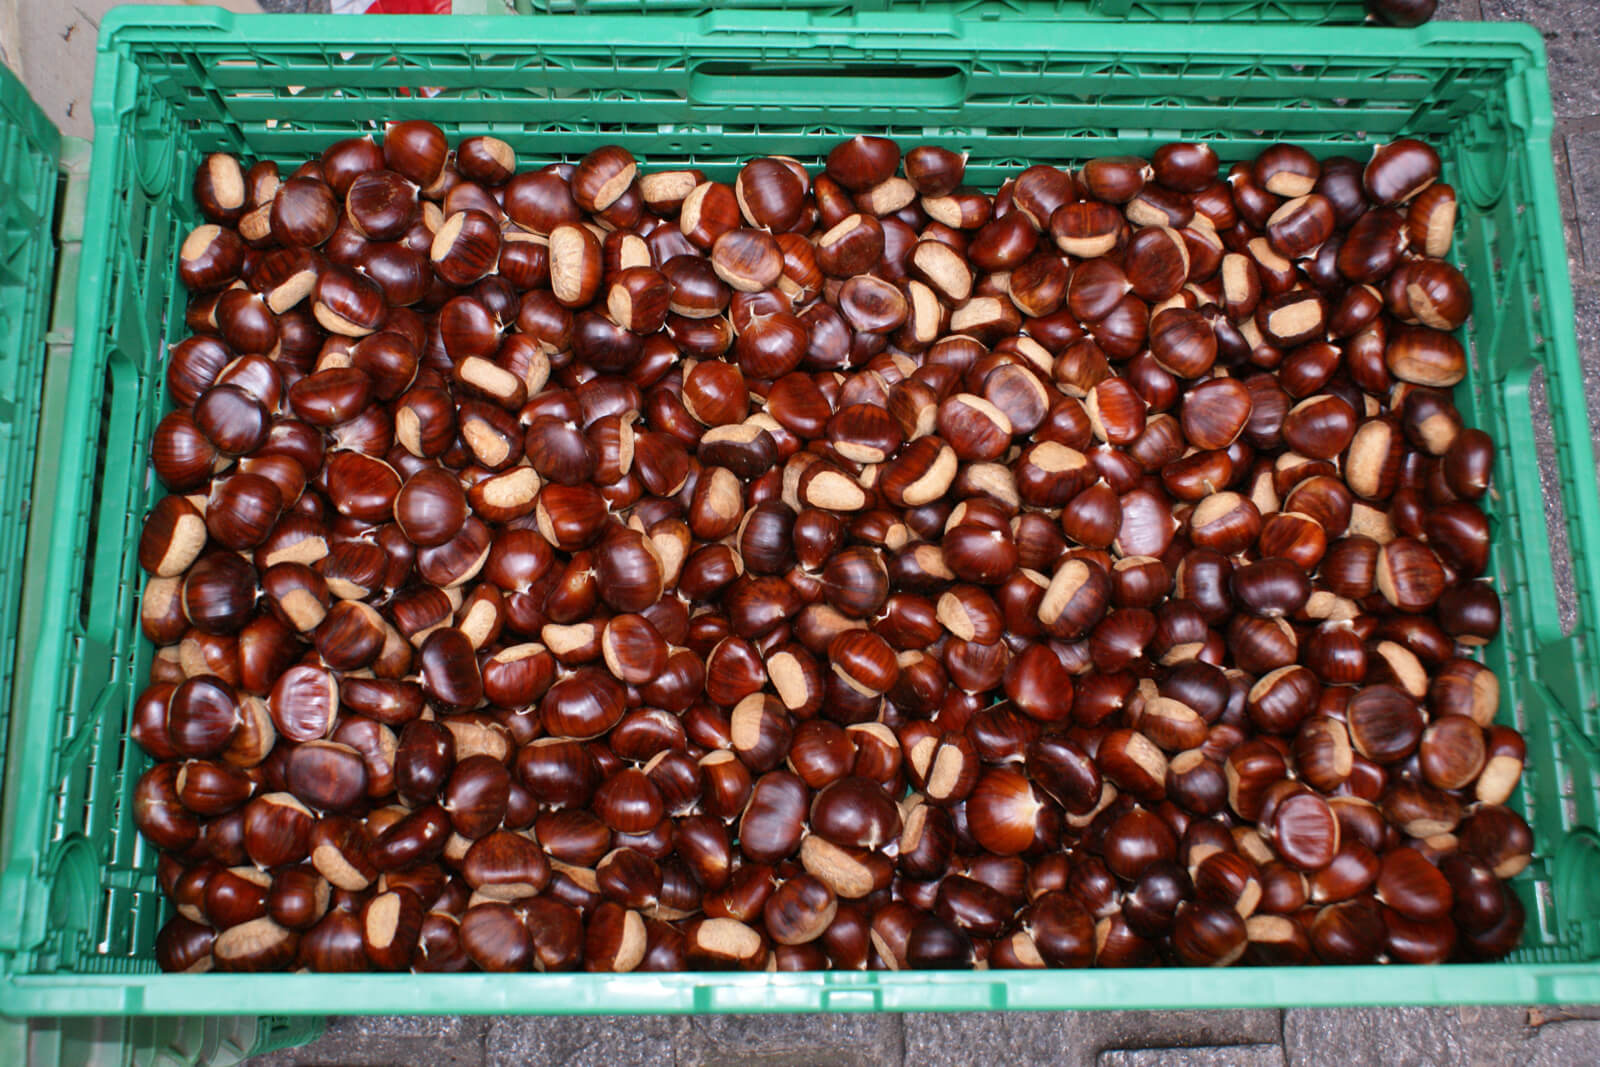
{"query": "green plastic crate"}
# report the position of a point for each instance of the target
(1310, 12)
(142, 1041)
(30, 173)
(79, 906)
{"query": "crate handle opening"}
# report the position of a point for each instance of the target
(864, 85)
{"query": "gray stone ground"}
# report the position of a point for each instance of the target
(1365, 1037)
(1379, 1037)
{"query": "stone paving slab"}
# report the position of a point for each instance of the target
(1352, 1037)
(1021, 1038)
(791, 1040)
(1215, 1056)
(390, 1041)
(1583, 171)
(1401, 1037)
(611, 1040)
(1586, 297)
(1571, 30)
(1562, 1045)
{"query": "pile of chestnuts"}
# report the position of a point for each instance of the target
(584, 568)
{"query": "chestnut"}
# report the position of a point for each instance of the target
(488, 160)
(180, 453)
(495, 938)
(1505, 753)
(1215, 412)
(417, 837)
(348, 303)
(503, 865)
(799, 911)
(1468, 462)
(575, 265)
(381, 205)
(277, 829)
(748, 260)
(1087, 228)
(327, 775)
(1400, 170)
(1437, 294)
(391, 925)
(1006, 812)
(1385, 723)
(303, 213)
(258, 945)
(1136, 839)
(863, 161)
(466, 247)
(210, 258)
(1409, 575)
(1426, 356)
(1431, 219)
(219, 188)
(602, 177)
(1208, 935)
(1075, 600)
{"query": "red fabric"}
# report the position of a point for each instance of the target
(409, 7)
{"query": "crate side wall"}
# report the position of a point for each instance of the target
(30, 176)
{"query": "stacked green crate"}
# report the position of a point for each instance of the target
(30, 172)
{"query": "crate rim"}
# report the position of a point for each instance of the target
(80, 994)
(1244, 13)
(830, 991)
(125, 23)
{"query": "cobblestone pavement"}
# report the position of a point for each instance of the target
(1365, 1037)
(1393, 1037)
